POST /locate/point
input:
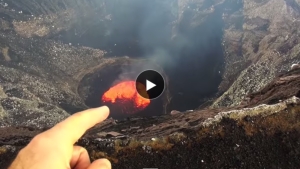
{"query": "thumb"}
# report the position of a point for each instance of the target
(80, 158)
(100, 164)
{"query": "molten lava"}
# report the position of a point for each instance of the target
(125, 96)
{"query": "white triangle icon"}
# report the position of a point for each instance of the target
(149, 85)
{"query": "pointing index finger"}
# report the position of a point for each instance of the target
(72, 128)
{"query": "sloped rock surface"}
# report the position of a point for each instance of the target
(256, 135)
(28, 89)
(263, 45)
(39, 77)
(281, 88)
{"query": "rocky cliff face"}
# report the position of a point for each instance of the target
(260, 42)
(233, 48)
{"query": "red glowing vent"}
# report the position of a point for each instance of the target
(126, 98)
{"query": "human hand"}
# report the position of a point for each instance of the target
(54, 148)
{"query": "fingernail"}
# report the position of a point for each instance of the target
(105, 107)
(103, 110)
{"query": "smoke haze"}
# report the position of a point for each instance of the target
(182, 37)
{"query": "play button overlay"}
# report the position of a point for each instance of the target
(150, 84)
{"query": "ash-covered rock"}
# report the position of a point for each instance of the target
(266, 45)
(281, 88)
(39, 76)
(260, 136)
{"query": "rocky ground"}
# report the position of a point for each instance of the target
(259, 134)
(253, 123)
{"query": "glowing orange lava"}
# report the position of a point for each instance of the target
(125, 96)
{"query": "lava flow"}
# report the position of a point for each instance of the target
(126, 98)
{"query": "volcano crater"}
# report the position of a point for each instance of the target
(94, 84)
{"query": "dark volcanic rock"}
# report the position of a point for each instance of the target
(39, 77)
(28, 87)
(238, 137)
(260, 43)
(281, 88)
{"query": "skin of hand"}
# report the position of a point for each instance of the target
(55, 149)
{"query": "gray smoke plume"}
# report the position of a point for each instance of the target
(183, 37)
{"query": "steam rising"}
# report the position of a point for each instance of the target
(130, 72)
(184, 37)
